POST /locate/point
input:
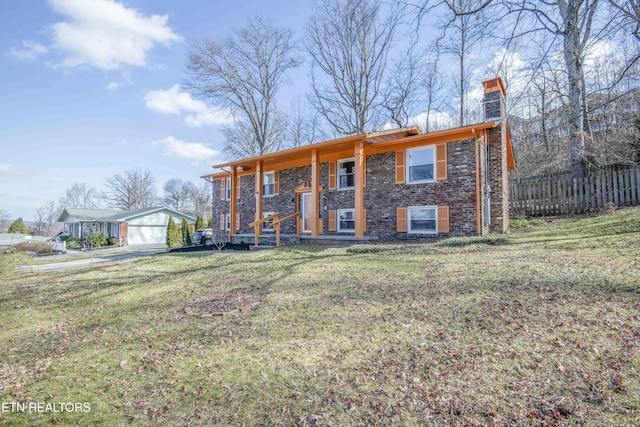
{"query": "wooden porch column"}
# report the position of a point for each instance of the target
(259, 189)
(315, 195)
(359, 189)
(233, 202)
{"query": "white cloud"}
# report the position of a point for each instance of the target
(600, 52)
(31, 51)
(172, 101)
(197, 113)
(209, 117)
(113, 85)
(8, 168)
(196, 151)
(107, 35)
(57, 180)
(437, 120)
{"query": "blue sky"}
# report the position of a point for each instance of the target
(91, 88)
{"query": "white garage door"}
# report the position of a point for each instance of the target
(147, 234)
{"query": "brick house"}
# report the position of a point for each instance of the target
(393, 185)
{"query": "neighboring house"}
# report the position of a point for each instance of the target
(139, 226)
(392, 185)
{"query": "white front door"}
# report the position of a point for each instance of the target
(307, 215)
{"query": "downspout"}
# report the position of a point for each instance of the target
(487, 191)
(478, 213)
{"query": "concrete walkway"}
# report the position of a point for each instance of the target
(89, 258)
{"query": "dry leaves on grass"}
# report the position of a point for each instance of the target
(227, 301)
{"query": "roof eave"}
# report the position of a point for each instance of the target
(316, 146)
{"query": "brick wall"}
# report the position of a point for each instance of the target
(382, 196)
(498, 179)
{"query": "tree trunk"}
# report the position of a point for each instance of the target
(573, 61)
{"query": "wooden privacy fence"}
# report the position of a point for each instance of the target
(562, 195)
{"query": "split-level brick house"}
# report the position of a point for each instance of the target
(392, 185)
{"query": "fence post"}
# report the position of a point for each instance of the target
(625, 180)
(614, 179)
(594, 195)
(633, 184)
(559, 197)
(549, 196)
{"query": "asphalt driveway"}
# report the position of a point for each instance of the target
(85, 258)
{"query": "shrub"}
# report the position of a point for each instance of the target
(185, 230)
(174, 238)
(199, 223)
(97, 239)
(73, 243)
(37, 247)
(490, 239)
(114, 241)
(19, 227)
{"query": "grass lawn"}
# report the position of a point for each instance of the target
(540, 328)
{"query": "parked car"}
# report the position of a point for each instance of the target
(60, 237)
(202, 237)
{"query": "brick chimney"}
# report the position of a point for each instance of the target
(494, 100)
(494, 176)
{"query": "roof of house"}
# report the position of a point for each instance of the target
(104, 215)
(375, 142)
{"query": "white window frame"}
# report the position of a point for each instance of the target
(266, 229)
(227, 188)
(338, 175)
(338, 223)
(227, 222)
(264, 184)
(411, 209)
(408, 165)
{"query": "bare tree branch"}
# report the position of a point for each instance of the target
(81, 196)
(349, 41)
(133, 189)
(244, 73)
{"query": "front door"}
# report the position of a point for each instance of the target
(306, 214)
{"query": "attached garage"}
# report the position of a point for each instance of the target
(140, 227)
(149, 226)
(147, 234)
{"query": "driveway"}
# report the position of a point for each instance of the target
(89, 258)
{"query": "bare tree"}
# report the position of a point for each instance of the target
(571, 21)
(433, 84)
(178, 194)
(133, 189)
(349, 41)
(5, 220)
(185, 196)
(304, 124)
(202, 200)
(241, 140)
(45, 220)
(465, 29)
(81, 196)
(630, 10)
(244, 73)
(404, 89)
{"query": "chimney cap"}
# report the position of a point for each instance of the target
(494, 85)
